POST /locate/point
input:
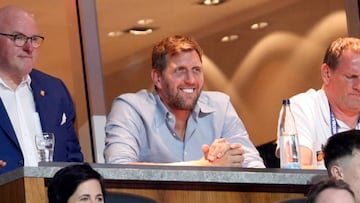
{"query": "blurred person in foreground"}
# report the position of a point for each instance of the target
(342, 159)
(331, 190)
(30, 98)
(76, 183)
(178, 123)
(319, 114)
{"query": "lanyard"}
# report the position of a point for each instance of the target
(334, 125)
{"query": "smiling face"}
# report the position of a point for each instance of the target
(15, 61)
(180, 84)
(87, 191)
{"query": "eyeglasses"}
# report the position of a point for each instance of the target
(21, 39)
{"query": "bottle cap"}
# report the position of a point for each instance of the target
(286, 101)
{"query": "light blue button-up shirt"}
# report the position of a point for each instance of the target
(139, 128)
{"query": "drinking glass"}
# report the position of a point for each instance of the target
(45, 143)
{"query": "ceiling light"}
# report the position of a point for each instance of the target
(211, 2)
(229, 38)
(114, 34)
(258, 26)
(145, 21)
(140, 30)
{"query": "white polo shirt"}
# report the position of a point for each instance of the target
(311, 112)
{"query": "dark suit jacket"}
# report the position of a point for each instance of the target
(52, 101)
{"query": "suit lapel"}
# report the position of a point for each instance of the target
(42, 104)
(39, 99)
(36, 94)
(6, 125)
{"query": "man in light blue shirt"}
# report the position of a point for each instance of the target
(178, 123)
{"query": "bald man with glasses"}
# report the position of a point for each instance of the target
(20, 39)
(29, 98)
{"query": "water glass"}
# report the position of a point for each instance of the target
(45, 143)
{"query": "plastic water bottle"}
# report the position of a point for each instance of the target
(289, 141)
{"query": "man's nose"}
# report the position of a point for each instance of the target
(190, 78)
(28, 47)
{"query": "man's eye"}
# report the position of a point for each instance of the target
(179, 70)
(351, 76)
(20, 37)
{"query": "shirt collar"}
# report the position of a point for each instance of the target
(161, 111)
(26, 81)
(201, 108)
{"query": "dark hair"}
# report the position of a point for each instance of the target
(67, 179)
(171, 46)
(333, 183)
(339, 146)
(337, 47)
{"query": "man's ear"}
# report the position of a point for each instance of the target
(156, 77)
(337, 172)
(325, 73)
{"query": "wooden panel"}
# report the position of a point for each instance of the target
(30, 190)
(35, 191)
(183, 196)
(13, 192)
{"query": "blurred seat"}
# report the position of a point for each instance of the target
(295, 200)
(118, 197)
(267, 153)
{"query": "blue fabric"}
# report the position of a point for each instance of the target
(50, 106)
(139, 128)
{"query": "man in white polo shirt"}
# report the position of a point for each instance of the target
(319, 114)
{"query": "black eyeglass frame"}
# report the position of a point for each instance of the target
(35, 42)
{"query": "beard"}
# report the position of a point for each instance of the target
(180, 100)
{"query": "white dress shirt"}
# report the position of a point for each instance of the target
(20, 106)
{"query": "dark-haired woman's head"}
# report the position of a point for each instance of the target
(75, 183)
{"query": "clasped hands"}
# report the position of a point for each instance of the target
(222, 153)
